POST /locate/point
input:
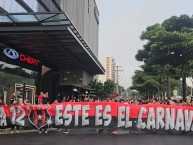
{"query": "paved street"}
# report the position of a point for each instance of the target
(91, 138)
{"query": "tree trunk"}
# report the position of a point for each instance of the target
(163, 96)
(159, 88)
(184, 88)
(148, 93)
(168, 93)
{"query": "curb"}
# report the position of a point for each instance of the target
(7, 131)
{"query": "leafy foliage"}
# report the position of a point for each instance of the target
(109, 87)
(169, 49)
(103, 90)
(144, 83)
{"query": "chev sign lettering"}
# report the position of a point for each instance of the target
(28, 59)
(13, 54)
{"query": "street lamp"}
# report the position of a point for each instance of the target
(86, 93)
(135, 94)
(75, 89)
(191, 79)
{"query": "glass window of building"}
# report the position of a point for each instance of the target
(13, 75)
(11, 6)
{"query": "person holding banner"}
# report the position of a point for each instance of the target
(44, 101)
(191, 101)
(45, 98)
(12, 99)
(12, 128)
(1, 102)
(20, 101)
(40, 98)
(15, 126)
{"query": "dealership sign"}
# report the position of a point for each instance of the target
(13, 54)
(149, 118)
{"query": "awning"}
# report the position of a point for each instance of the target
(49, 37)
(82, 86)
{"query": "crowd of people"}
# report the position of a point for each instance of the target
(18, 101)
(43, 98)
(132, 101)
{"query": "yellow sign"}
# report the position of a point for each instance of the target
(175, 92)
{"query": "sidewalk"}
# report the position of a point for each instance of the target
(8, 130)
(72, 131)
(75, 131)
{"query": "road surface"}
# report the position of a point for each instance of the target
(92, 138)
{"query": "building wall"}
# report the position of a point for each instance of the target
(102, 78)
(74, 76)
(11, 6)
(87, 78)
(70, 76)
(83, 14)
(108, 63)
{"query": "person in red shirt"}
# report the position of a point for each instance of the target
(26, 102)
(40, 98)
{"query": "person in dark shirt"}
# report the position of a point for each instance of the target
(191, 100)
(12, 99)
(1, 102)
(64, 99)
(14, 126)
(45, 98)
(45, 101)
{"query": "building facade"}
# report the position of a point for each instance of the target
(109, 64)
(49, 46)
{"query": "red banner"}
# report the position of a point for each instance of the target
(114, 95)
(113, 115)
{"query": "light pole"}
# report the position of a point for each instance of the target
(191, 79)
(117, 77)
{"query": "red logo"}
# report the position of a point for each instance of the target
(28, 59)
(39, 116)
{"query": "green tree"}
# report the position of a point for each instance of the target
(170, 44)
(98, 87)
(109, 87)
(146, 84)
(121, 90)
(103, 90)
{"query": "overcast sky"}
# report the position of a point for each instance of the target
(122, 22)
